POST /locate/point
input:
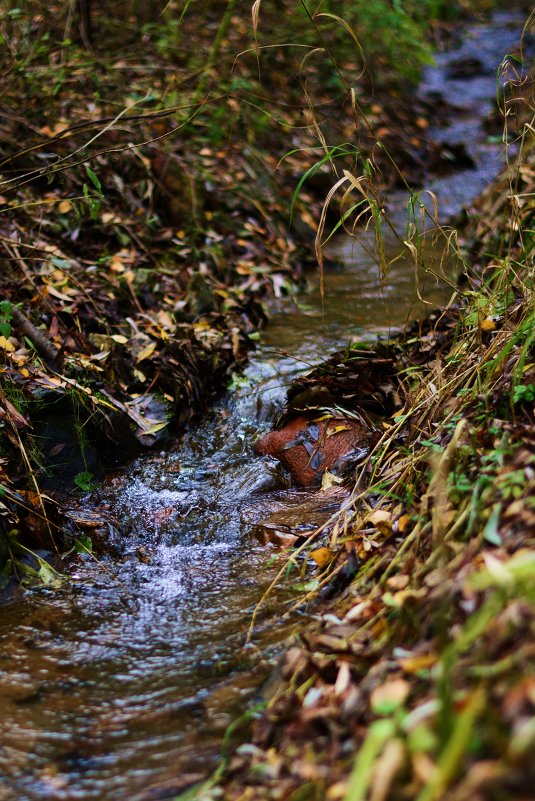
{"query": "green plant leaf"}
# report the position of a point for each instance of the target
(84, 481)
(490, 532)
(6, 309)
(94, 179)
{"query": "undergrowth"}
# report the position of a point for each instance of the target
(144, 200)
(417, 682)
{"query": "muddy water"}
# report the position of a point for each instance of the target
(120, 684)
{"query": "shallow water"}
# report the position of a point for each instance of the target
(120, 685)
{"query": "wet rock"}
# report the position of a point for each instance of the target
(307, 446)
(19, 690)
(447, 156)
(465, 68)
(293, 520)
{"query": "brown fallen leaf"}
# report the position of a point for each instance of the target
(390, 695)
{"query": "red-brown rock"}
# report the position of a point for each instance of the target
(308, 446)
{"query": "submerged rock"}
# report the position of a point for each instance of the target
(293, 518)
(333, 414)
(308, 446)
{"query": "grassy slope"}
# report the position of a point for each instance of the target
(417, 683)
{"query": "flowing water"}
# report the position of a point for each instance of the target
(120, 684)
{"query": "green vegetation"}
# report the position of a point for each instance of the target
(416, 682)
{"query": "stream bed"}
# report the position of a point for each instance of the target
(120, 684)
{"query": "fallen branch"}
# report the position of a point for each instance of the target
(42, 345)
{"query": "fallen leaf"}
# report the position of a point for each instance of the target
(146, 352)
(6, 345)
(322, 556)
(413, 664)
(329, 480)
(389, 696)
(398, 582)
(403, 523)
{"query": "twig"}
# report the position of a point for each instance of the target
(42, 345)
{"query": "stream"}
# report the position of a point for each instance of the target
(120, 684)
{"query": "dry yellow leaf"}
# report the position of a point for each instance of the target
(423, 766)
(398, 582)
(117, 266)
(109, 217)
(6, 345)
(413, 664)
(146, 352)
(403, 523)
(488, 325)
(337, 792)
(329, 480)
(322, 556)
(380, 516)
(382, 520)
(402, 596)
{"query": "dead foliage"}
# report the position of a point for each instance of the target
(415, 681)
